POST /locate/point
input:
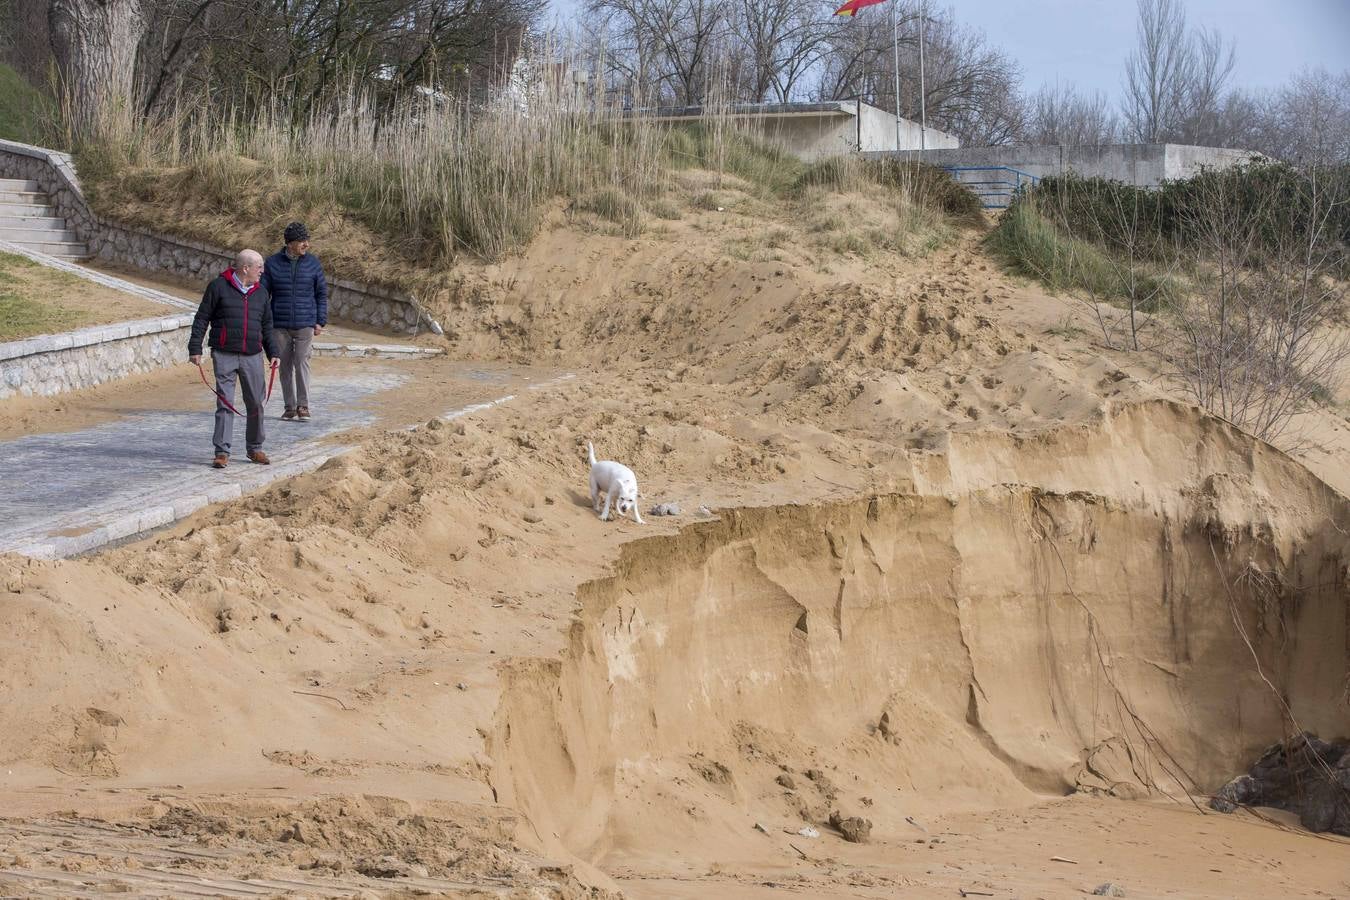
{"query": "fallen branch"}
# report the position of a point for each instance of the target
(326, 697)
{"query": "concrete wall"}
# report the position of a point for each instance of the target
(814, 136)
(56, 363)
(184, 259)
(877, 128)
(821, 130)
(1144, 165)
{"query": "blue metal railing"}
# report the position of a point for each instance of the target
(998, 186)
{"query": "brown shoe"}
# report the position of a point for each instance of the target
(221, 461)
(288, 415)
(259, 457)
(303, 413)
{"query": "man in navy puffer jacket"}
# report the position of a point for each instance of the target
(299, 292)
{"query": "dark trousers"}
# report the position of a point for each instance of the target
(250, 372)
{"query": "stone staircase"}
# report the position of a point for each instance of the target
(28, 219)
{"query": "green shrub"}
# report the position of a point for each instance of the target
(24, 110)
(1031, 244)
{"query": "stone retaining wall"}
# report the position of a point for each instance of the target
(56, 363)
(183, 259)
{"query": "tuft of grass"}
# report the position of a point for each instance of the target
(617, 207)
(664, 208)
(1031, 245)
(924, 185)
(720, 145)
(760, 245)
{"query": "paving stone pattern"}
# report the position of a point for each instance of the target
(69, 492)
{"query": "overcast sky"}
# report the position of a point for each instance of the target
(1085, 42)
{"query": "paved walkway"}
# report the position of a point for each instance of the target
(68, 493)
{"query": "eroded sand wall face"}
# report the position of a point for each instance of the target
(1015, 641)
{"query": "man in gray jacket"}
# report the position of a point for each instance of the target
(239, 312)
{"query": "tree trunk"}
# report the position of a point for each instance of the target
(94, 42)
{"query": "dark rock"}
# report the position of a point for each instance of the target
(1303, 775)
(1243, 790)
(855, 829)
(787, 781)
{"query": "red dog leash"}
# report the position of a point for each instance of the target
(271, 380)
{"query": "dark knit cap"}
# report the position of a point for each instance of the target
(296, 231)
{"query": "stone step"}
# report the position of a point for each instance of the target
(59, 249)
(25, 197)
(23, 235)
(26, 209)
(11, 222)
(18, 184)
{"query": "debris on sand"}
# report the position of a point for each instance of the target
(665, 509)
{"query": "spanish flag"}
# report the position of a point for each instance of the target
(851, 7)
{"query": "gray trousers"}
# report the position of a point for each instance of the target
(296, 346)
(253, 378)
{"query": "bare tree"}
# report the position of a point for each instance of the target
(671, 42)
(970, 87)
(26, 43)
(1211, 63)
(1174, 78)
(782, 39)
(300, 54)
(857, 61)
(1060, 115)
(1308, 121)
(1255, 339)
(94, 43)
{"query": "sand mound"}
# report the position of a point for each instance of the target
(960, 568)
(938, 652)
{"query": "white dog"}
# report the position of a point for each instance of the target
(619, 484)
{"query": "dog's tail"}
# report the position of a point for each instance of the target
(590, 449)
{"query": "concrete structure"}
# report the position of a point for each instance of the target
(812, 131)
(27, 218)
(56, 363)
(1143, 165)
(57, 193)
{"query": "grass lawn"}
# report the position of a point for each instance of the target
(37, 300)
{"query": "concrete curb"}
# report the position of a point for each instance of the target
(108, 281)
(181, 507)
(88, 337)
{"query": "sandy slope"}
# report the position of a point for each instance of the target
(961, 569)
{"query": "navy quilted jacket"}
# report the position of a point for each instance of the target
(299, 291)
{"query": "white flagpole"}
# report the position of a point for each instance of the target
(923, 91)
(895, 40)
